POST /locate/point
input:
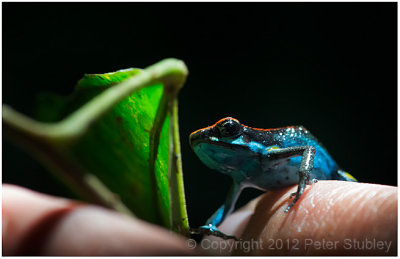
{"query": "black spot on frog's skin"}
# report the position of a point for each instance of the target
(246, 139)
(279, 182)
(287, 177)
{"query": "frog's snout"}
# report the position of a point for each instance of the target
(196, 137)
(193, 137)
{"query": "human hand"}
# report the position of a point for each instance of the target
(38, 224)
(325, 221)
(331, 218)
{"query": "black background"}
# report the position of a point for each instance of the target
(328, 66)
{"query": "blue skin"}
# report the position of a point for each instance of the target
(268, 159)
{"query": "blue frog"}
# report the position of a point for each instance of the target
(266, 159)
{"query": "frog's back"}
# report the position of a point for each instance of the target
(299, 136)
(285, 171)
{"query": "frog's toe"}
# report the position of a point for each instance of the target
(212, 230)
(293, 201)
(289, 207)
(296, 196)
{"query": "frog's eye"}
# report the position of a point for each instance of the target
(229, 128)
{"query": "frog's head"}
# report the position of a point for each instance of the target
(223, 146)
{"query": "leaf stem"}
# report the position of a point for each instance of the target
(179, 215)
(170, 72)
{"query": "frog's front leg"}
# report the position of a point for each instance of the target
(307, 163)
(210, 228)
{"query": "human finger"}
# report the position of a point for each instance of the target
(38, 224)
(331, 218)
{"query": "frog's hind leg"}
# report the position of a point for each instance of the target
(307, 163)
(210, 228)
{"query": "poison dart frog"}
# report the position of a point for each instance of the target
(266, 159)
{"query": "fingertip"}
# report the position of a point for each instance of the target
(331, 218)
(328, 211)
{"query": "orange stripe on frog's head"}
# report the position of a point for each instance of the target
(269, 129)
(212, 126)
(231, 118)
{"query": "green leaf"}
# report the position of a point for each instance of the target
(117, 148)
(124, 144)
